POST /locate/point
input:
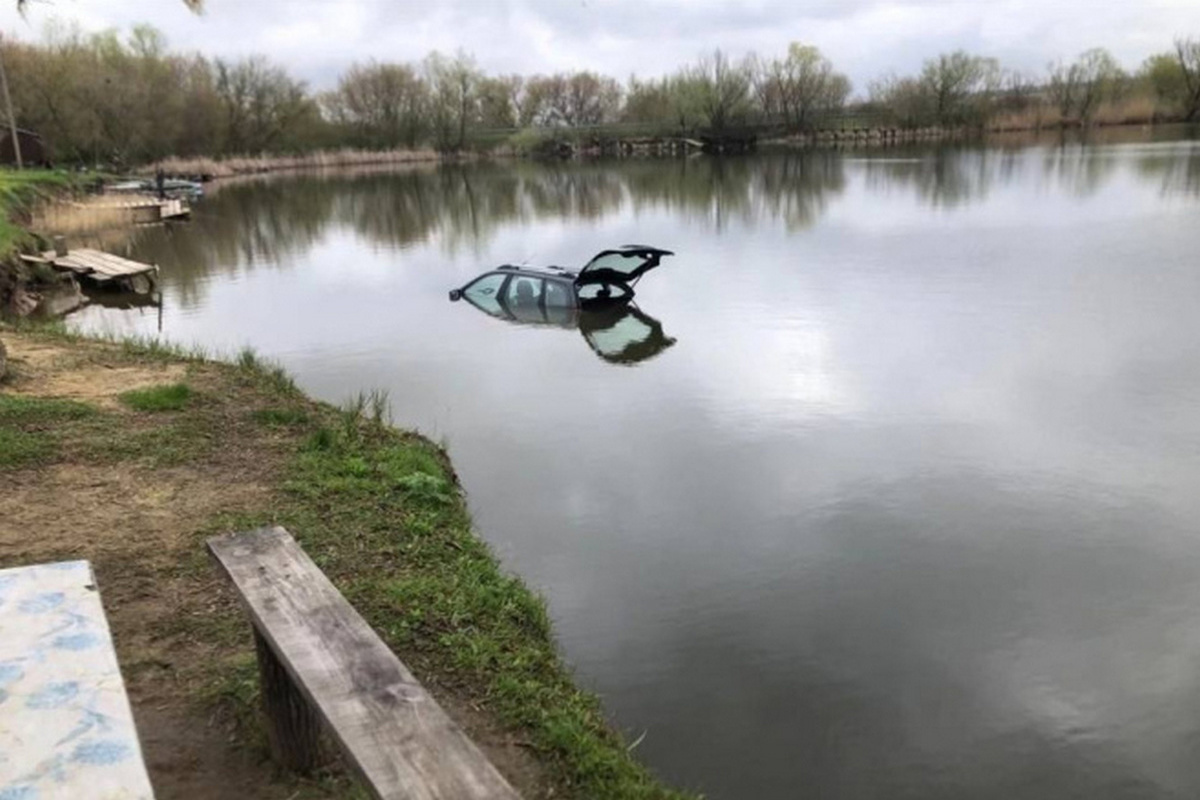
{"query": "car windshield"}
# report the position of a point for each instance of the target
(484, 293)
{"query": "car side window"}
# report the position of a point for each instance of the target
(558, 295)
(523, 293)
(485, 293)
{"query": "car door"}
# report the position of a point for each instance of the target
(523, 298)
(559, 302)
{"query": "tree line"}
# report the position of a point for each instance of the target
(106, 99)
(961, 89)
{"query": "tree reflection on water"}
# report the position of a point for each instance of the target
(269, 221)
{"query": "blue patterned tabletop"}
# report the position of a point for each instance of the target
(66, 730)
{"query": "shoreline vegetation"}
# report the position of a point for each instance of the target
(232, 166)
(116, 102)
(181, 447)
(105, 446)
(20, 192)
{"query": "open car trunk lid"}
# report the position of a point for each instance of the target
(624, 265)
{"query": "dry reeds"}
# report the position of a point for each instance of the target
(1034, 118)
(1138, 110)
(249, 165)
(1134, 110)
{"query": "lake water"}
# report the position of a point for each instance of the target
(908, 509)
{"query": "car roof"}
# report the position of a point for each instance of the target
(537, 272)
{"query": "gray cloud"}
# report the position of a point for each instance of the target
(866, 38)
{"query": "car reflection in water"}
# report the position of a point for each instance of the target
(619, 333)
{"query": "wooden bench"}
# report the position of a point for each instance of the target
(319, 661)
(66, 729)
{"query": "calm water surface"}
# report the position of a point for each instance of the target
(909, 509)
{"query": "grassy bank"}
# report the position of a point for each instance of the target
(132, 454)
(19, 191)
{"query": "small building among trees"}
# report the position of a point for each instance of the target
(34, 152)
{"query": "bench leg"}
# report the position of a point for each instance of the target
(292, 727)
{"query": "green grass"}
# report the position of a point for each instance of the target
(381, 512)
(22, 448)
(24, 410)
(168, 397)
(267, 374)
(31, 427)
(280, 417)
(19, 190)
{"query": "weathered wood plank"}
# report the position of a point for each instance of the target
(402, 743)
(106, 262)
(66, 729)
(293, 728)
(96, 263)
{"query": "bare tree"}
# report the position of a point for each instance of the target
(1099, 76)
(1062, 87)
(958, 86)
(722, 88)
(385, 103)
(904, 98)
(1078, 89)
(797, 86)
(453, 84)
(1187, 51)
(592, 99)
(261, 103)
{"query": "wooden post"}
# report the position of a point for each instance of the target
(293, 730)
(12, 119)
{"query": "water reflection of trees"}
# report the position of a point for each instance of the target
(1174, 174)
(793, 188)
(271, 221)
(945, 178)
(1080, 171)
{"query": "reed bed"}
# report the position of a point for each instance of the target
(249, 165)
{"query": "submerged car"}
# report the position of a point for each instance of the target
(607, 279)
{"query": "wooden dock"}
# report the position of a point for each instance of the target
(102, 269)
(141, 209)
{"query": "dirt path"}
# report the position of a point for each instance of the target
(137, 523)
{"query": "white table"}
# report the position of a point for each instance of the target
(66, 729)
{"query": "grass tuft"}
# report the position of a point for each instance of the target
(30, 427)
(280, 417)
(25, 410)
(266, 373)
(169, 397)
(160, 349)
(21, 448)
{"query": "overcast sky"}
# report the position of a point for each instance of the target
(316, 39)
